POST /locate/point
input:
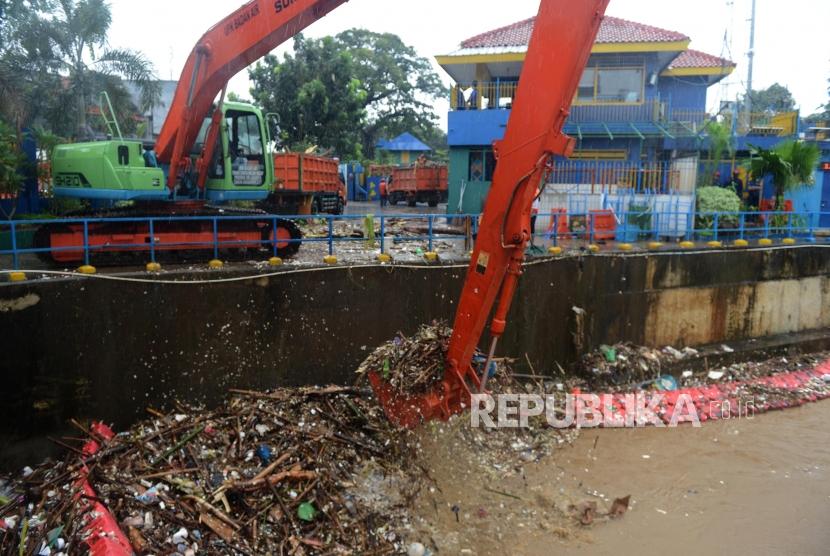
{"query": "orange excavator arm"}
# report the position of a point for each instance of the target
(230, 46)
(563, 35)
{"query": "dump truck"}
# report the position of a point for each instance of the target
(419, 183)
(305, 184)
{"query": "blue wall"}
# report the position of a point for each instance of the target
(687, 94)
(476, 127)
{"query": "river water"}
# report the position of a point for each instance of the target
(751, 486)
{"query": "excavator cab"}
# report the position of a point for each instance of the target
(240, 169)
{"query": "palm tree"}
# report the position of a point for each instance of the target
(790, 165)
(82, 53)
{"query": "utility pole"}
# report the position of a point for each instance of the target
(751, 56)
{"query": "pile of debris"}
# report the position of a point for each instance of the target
(412, 365)
(287, 472)
(626, 365)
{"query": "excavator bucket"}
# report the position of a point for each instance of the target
(449, 397)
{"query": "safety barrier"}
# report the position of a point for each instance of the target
(220, 233)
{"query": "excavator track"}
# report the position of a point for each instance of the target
(125, 242)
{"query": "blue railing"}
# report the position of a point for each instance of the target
(220, 233)
(16, 236)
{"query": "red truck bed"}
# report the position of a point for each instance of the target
(419, 184)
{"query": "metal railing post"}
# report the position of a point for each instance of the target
(274, 248)
(715, 221)
(590, 227)
(382, 234)
(690, 223)
(215, 238)
(766, 225)
(331, 234)
(15, 259)
(152, 241)
(86, 242)
(656, 235)
(430, 221)
(556, 229)
(789, 224)
(742, 225)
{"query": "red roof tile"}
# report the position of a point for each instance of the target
(614, 30)
(698, 59)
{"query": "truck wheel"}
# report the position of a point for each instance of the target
(433, 202)
(393, 201)
(412, 202)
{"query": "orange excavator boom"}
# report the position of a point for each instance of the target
(563, 35)
(242, 38)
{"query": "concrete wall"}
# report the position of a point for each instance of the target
(106, 349)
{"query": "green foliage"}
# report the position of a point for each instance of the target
(720, 143)
(713, 199)
(775, 98)
(313, 91)
(790, 165)
(55, 60)
(347, 92)
(400, 86)
(11, 160)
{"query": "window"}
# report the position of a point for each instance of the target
(123, 155)
(482, 165)
(611, 86)
(245, 148)
(587, 85)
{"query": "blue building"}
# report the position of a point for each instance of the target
(639, 113)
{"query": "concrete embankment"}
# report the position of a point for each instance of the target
(97, 347)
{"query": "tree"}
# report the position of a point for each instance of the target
(385, 87)
(11, 161)
(775, 98)
(79, 33)
(400, 86)
(790, 165)
(27, 76)
(720, 143)
(314, 93)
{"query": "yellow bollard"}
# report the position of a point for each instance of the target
(687, 245)
(384, 258)
(431, 256)
(330, 259)
(741, 243)
(788, 241)
(554, 251)
(593, 248)
(17, 277)
(715, 244)
(625, 247)
(153, 267)
(216, 264)
(275, 261)
(87, 269)
(765, 242)
(655, 245)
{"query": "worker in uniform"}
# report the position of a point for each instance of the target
(383, 192)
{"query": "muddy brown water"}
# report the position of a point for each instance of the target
(752, 486)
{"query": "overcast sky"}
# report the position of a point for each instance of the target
(792, 43)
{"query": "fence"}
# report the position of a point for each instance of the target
(659, 176)
(553, 228)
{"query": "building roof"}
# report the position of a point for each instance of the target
(697, 59)
(403, 142)
(613, 31)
